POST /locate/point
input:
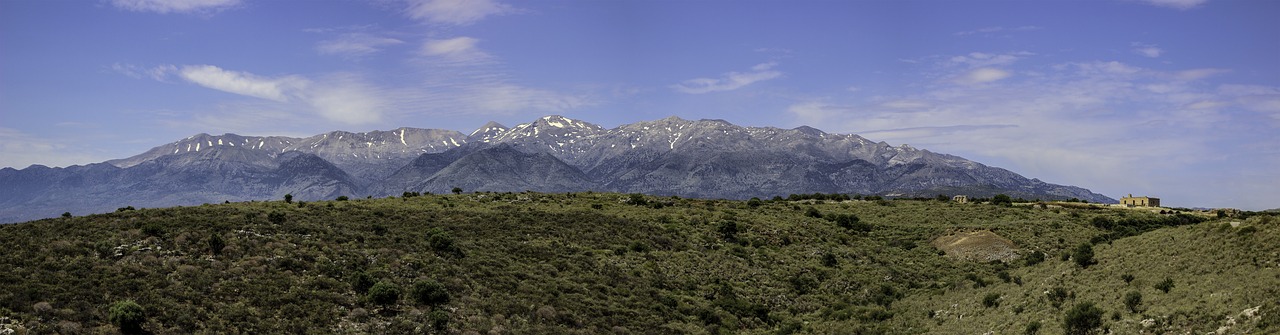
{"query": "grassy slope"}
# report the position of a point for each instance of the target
(550, 263)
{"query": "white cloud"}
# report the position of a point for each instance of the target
(452, 46)
(729, 81)
(996, 29)
(175, 6)
(355, 45)
(1197, 74)
(20, 150)
(983, 75)
(1176, 4)
(346, 98)
(243, 83)
(1108, 126)
(1148, 50)
(455, 12)
(978, 59)
(158, 73)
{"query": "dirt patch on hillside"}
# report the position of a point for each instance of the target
(982, 246)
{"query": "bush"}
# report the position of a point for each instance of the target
(384, 293)
(1083, 319)
(216, 244)
(1083, 255)
(153, 229)
(1128, 278)
(342, 198)
(288, 198)
(1035, 257)
(361, 282)
(1133, 300)
(728, 230)
(1001, 199)
(1165, 285)
(127, 315)
(438, 319)
(1032, 328)
(277, 217)
(754, 203)
(430, 292)
(991, 300)
(813, 213)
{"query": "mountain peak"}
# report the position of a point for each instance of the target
(558, 121)
(487, 132)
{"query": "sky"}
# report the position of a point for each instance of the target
(1176, 99)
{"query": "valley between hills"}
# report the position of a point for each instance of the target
(613, 263)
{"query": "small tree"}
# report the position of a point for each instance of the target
(288, 198)
(1083, 319)
(430, 292)
(438, 319)
(384, 293)
(341, 198)
(1001, 199)
(1165, 285)
(66, 214)
(1083, 255)
(754, 202)
(457, 190)
(216, 244)
(991, 300)
(127, 315)
(1133, 300)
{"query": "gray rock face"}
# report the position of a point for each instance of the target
(671, 156)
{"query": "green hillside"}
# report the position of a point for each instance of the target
(591, 263)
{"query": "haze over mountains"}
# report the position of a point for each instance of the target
(671, 156)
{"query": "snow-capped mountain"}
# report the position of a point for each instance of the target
(671, 156)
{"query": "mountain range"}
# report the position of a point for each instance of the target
(671, 156)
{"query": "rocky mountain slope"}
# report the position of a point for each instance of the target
(671, 156)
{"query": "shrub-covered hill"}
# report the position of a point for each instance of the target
(590, 263)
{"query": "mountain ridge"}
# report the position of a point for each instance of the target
(669, 156)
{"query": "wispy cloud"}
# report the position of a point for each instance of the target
(455, 12)
(995, 29)
(355, 45)
(1176, 4)
(243, 83)
(342, 97)
(1148, 50)
(979, 59)
(455, 51)
(19, 150)
(139, 72)
(1094, 124)
(983, 75)
(729, 81)
(175, 6)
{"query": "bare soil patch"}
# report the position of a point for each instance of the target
(981, 246)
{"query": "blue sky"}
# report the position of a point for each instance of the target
(1178, 99)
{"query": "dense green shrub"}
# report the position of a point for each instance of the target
(1165, 285)
(438, 319)
(1001, 199)
(430, 292)
(277, 217)
(1083, 319)
(1083, 255)
(384, 293)
(288, 198)
(1032, 328)
(991, 300)
(127, 315)
(361, 282)
(1033, 258)
(1133, 300)
(216, 244)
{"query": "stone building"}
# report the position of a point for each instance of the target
(1133, 201)
(960, 199)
